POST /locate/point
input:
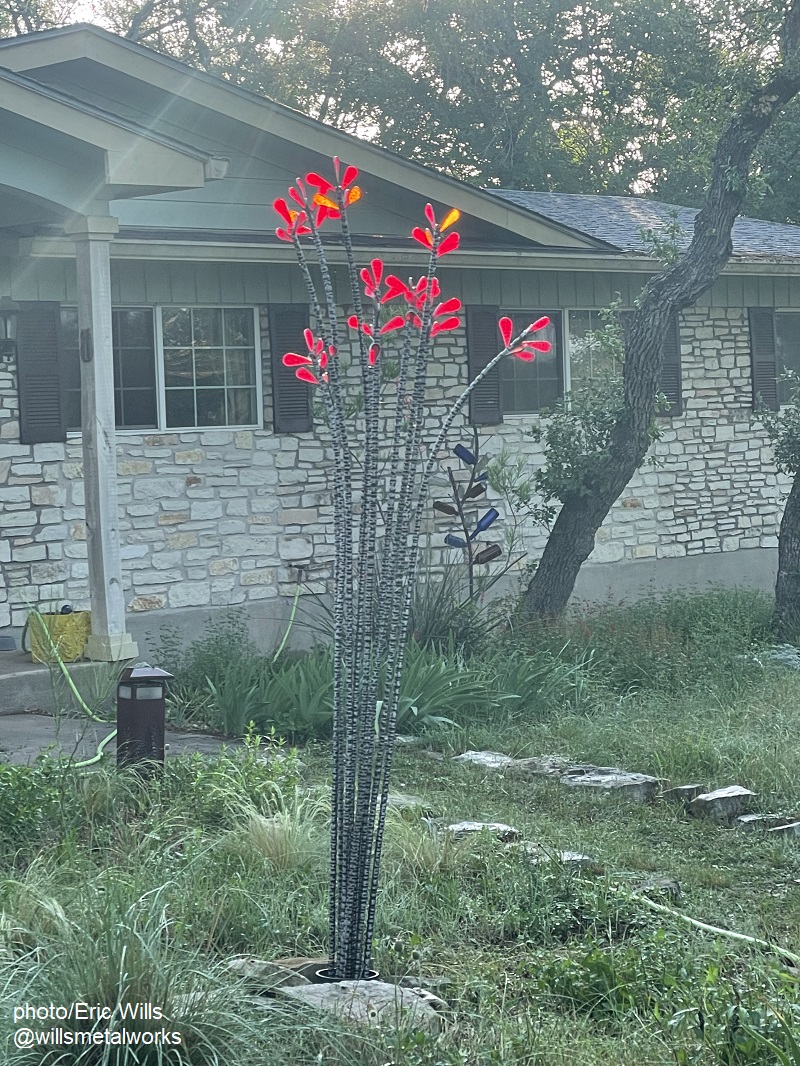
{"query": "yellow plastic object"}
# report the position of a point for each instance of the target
(67, 631)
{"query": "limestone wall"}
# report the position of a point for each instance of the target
(222, 517)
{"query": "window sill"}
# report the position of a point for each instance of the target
(76, 434)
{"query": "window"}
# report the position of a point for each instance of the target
(787, 348)
(587, 360)
(134, 368)
(531, 386)
(519, 387)
(208, 367)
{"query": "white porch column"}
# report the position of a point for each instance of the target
(109, 641)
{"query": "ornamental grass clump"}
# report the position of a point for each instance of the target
(378, 460)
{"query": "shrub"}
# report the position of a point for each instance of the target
(668, 643)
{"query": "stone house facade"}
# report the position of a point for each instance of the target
(220, 483)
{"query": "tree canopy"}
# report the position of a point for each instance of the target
(615, 97)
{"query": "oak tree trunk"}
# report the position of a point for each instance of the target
(786, 617)
(572, 537)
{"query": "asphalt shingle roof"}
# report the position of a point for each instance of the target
(620, 219)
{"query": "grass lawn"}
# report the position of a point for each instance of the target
(112, 890)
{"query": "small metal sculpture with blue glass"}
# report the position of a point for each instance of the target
(477, 552)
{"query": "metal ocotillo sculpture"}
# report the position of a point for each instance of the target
(376, 551)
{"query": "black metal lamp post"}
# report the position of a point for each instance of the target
(141, 695)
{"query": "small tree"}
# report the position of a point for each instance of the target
(783, 430)
(377, 454)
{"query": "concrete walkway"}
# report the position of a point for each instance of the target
(24, 736)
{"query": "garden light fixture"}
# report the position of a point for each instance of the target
(141, 694)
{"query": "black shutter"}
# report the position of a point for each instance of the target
(41, 412)
(483, 344)
(671, 375)
(762, 351)
(291, 399)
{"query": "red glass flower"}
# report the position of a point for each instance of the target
(528, 348)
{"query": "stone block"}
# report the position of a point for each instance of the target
(134, 467)
(640, 788)
(723, 804)
(258, 577)
(173, 518)
(147, 603)
(189, 594)
(223, 566)
(48, 453)
(35, 553)
(488, 760)
(178, 541)
(48, 495)
(295, 549)
(503, 832)
(15, 494)
(158, 488)
(206, 509)
(371, 1003)
(644, 551)
(188, 458)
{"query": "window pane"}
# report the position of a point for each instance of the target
(69, 327)
(72, 409)
(588, 360)
(209, 366)
(133, 361)
(180, 407)
(207, 326)
(787, 348)
(137, 368)
(214, 362)
(529, 386)
(178, 367)
(133, 327)
(240, 367)
(211, 407)
(176, 326)
(241, 407)
(238, 326)
(139, 408)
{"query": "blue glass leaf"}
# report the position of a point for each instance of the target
(455, 542)
(483, 477)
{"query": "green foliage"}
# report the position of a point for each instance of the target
(441, 614)
(669, 643)
(783, 427)
(52, 801)
(576, 434)
(297, 696)
(665, 242)
(213, 674)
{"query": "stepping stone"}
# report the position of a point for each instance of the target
(722, 805)
(541, 766)
(489, 760)
(762, 821)
(265, 975)
(539, 855)
(372, 1003)
(409, 804)
(659, 886)
(503, 832)
(640, 788)
(790, 830)
(682, 793)
(305, 965)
